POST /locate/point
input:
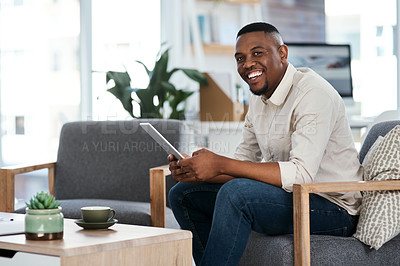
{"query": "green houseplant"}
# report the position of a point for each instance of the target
(43, 219)
(159, 86)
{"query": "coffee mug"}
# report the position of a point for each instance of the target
(97, 214)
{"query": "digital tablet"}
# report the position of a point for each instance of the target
(161, 140)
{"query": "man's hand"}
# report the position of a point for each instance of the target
(201, 167)
(206, 166)
(178, 172)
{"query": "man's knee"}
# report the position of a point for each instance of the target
(178, 192)
(231, 192)
(241, 190)
(175, 194)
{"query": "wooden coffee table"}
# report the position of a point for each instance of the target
(119, 245)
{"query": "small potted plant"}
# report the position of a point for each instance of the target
(43, 219)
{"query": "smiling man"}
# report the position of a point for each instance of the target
(295, 131)
(255, 55)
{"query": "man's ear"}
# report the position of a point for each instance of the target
(283, 52)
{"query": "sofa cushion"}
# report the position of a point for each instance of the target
(263, 250)
(380, 210)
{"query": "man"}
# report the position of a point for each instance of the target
(295, 131)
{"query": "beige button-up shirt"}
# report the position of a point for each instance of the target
(303, 127)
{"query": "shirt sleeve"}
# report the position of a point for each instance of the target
(314, 120)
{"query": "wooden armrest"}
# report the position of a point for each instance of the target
(350, 186)
(7, 182)
(25, 168)
(301, 209)
(158, 198)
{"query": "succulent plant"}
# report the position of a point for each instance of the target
(42, 200)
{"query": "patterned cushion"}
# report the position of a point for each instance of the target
(380, 210)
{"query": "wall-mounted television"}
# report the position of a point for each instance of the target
(331, 61)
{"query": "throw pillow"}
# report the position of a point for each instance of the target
(380, 210)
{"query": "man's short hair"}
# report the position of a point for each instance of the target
(261, 26)
(258, 26)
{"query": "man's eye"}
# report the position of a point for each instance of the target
(239, 59)
(257, 53)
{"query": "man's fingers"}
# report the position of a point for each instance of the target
(195, 153)
(171, 158)
(186, 179)
(179, 170)
(182, 173)
(184, 162)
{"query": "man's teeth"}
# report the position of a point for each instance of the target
(254, 74)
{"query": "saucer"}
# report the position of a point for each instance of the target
(104, 225)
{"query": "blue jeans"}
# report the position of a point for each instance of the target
(222, 216)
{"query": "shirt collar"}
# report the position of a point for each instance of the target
(283, 88)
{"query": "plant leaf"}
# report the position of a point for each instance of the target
(147, 107)
(158, 86)
(120, 78)
(160, 69)
(175, 100)
(124, 95)
(195, 75)
(169, 87)
(145, 67)
(122, 90)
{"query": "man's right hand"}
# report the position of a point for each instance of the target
(178, 172)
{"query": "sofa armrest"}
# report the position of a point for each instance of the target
(301, 209)
(158, 198)
(7, 182)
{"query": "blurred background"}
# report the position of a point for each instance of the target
(54, 55)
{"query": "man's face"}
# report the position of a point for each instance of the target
(261, 61)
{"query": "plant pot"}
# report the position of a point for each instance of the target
(46, 224)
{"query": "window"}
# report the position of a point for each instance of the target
(368, 27)
(39, 76)
(123, 32)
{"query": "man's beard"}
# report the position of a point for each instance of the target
(262, 91)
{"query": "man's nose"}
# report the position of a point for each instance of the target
(248, 63)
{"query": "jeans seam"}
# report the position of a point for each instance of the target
(326, 211)
(193, 227)
(341, 211)
(245, 205)
(236, 233)
(186, 192)
(237, 230)
(234, 244)
(344, 230)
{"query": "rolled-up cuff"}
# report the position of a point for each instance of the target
(288, 175)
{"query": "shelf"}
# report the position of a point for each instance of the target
(215, 48)
(206, 32)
